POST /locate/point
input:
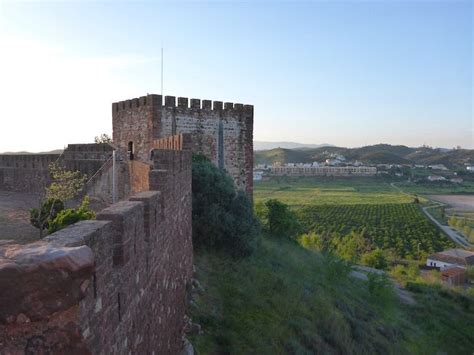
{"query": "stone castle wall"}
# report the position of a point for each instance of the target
(25, 173)
(30, 173)
(221, 131)
(112, 285)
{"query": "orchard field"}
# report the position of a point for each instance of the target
(337, 207)
(400, 228)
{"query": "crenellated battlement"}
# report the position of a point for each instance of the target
(222, 131)
(179, 102)
(114, 285)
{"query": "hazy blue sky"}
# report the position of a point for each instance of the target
(347, 73)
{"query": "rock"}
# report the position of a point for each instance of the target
(187, 347)
(358, 275)
(39, 279)
(194, 329)
(197, 285)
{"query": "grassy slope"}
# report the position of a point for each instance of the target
(285, 299)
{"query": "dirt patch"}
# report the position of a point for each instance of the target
(15, 217)
(461, 202)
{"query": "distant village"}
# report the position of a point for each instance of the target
(338, 165)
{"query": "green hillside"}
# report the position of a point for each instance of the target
(374, 154)
(288, 300)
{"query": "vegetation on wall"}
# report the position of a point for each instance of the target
(103, 138)
(65, 186)
(222, 217)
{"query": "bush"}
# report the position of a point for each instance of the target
(222, 218)
(71, 215)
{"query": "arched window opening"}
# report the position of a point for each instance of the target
(130, 151)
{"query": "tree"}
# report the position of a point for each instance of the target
(66, 184)
(453, 221)
(42, 216)
(278, 219)
(467, 231)
(222, 217)
(103, 138)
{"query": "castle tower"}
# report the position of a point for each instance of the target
(223, 132)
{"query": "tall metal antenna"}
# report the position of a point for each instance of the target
(162, 70)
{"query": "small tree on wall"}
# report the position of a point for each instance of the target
(103, 138)
(66, 185)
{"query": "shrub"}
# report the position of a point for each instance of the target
(375, 258)
(71, 215)
(222, 218)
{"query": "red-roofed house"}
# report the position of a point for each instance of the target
(454, 276)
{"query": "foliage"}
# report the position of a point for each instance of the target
(103, 138)
(222, 218)
(71, 215)
(404, 274)
(66, 184)
(277, 218)
(380, 289)
(42, 217)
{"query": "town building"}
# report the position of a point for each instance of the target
(295, 170)
(451, 258)
(436, 178)
(437, 167)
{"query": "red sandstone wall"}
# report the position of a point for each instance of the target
(112, 285)
(145, 119)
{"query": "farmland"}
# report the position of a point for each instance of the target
(400, 228)
(320, 191)
(383, 214)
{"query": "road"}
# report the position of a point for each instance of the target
(450, 232)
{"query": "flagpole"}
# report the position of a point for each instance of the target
(162, 70)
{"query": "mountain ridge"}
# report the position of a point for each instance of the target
(373, 154)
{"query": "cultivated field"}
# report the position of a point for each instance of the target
(458, 202)
(334, 191)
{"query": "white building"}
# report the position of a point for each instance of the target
(436, 178)
(470, 168)
(323, 170)
(437, 167)
(257, 175)
(451, 258)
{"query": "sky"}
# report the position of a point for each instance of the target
(348, 73)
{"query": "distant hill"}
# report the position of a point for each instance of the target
(373, 154)
(261, 145)
(55, 151)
